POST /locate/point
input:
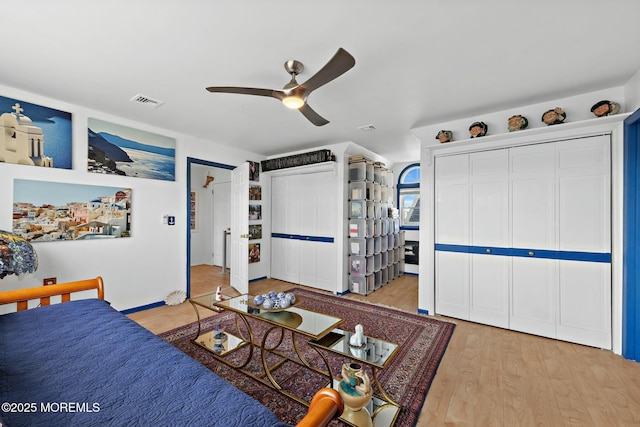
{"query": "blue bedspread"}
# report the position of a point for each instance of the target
(82, 363)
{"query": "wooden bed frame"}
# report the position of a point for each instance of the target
(325, 405)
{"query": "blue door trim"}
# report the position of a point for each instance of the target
(631, 240)
(527, 253)
(302, 237)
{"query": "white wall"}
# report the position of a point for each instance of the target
(632, 93)
(139, 270)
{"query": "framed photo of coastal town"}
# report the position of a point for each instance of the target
(46, 211)
(35, 135)
(120, 150)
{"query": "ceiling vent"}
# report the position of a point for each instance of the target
(366, 128)
(145, 100)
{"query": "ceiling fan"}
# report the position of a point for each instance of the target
(294, 95)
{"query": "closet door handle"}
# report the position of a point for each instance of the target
(488, 250)
(531, 253)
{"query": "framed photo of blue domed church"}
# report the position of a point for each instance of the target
(34, 135)
(120, 150)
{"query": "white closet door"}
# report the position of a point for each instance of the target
(452, 228)
(489, 275)
(584, 206)
(533, 280)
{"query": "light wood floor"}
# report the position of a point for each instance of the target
(488, 376)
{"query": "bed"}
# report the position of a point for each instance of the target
(82, 362)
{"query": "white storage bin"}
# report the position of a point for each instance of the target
(369, 265)
(357, 228)
(357, 265)
(370, 209)
(369, 186)
(385, 276)
(377, 192)
(383, 244)
(358, 190)
(369, 171)
(383, 176)
(377, 279)
(377, 262)
(370, 245)
(384, 193)
(357, 171)
(358, 284)
(357, 246)
(384, 259)
(376, 245)
(369, 230)
(377, 174)
(357, 209)
(370, 283)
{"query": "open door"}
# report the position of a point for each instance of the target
(240, 228)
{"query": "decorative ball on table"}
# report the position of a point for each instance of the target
(274, 301)
(17, 256)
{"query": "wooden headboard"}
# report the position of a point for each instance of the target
(44, 293)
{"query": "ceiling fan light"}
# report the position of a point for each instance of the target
(293, 102)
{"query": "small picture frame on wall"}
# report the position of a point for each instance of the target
(255, 231)
(255, 192)
(193, 211)
(254, 171)
(254, 252)
(255, 212)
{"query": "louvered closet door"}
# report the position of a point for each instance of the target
(533, 201)
(584, 233)
(489, 271)
(452, 234)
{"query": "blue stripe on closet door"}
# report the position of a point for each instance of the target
(302, 237)
(527, 253)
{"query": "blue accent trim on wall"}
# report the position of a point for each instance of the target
(190, 161)
(302, 237)
(631, 240)
(143, 307)
(423, 311)
(341, 294)
(257, 279)
(527, 253)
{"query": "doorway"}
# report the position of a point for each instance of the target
(207, 187)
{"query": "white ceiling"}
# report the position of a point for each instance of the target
(418, 62)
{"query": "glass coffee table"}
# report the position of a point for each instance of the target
(297, 321)
(375, 353)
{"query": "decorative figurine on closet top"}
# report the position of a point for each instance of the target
(444, 136)
(478, 129)
(605, 108)
(517, 122)
(554, 117)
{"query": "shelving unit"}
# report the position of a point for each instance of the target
(376, 243)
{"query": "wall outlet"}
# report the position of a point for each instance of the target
(49, 281)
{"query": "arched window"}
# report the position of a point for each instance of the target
(409, 197)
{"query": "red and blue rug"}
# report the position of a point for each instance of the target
(422, 342)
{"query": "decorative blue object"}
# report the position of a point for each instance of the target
(258, 299)
(17, 256)
(274, 301)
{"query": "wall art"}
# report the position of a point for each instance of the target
(254, 171)
(34, 135)
(120, 150)
(255, 231)
(254, 252)
(193, 212)
(255, 212)
(53, 211)
(255, 192)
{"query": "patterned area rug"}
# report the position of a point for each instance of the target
(422, 340)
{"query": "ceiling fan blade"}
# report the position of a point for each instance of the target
(313, 117)
(273, 93)
(341, 62)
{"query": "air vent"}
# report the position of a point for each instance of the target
(366, 128)
(145, 100)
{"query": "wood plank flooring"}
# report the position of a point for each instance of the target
(488, 376)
